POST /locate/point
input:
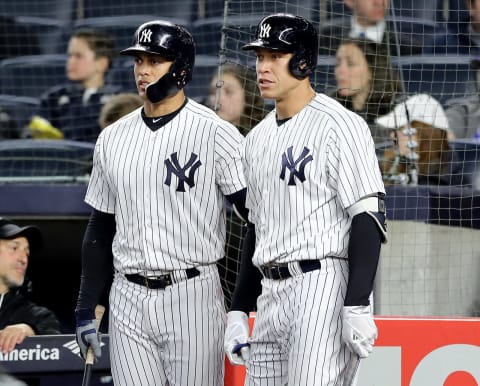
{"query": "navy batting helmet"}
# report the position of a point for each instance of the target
(289, 33)
(172, 42)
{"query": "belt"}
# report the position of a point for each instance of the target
(285, 271)
(161, 281)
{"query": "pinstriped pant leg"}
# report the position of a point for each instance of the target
(194, 324)
(317, 354)
(168, 337)
(134, 356)
(268, 363)
(296, 339)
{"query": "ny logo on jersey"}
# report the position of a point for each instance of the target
(265, 31)
(288, 162)
(174, 167)
(146, 36)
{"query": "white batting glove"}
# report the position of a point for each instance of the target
(359, 330)
(236, 337)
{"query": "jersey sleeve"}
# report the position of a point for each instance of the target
(352, 162)
(100, 193)
(228, 160)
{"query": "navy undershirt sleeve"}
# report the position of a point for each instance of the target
(248, 286)
(238, 200)
(363, 256)
(97, 263)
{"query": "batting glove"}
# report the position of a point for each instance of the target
(236, 337)
(88, 336)
(359, 330)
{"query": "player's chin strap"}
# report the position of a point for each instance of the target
(374, 206)
(166, 86)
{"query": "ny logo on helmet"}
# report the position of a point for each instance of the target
(265, 31)
(146, 36)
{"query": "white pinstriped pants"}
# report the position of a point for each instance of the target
(296, 339)
(169, 337)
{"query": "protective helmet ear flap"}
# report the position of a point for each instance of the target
(300, 67)
(162, 88)
(169, 84)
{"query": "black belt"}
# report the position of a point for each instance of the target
(283, 271)
(161, 281)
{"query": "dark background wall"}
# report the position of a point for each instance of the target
(55, 272)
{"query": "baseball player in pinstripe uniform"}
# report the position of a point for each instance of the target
(158, 188)
(316, 209)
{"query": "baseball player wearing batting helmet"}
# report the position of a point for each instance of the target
(316, 210)
(158, 187)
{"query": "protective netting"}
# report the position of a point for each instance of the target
(431, 264)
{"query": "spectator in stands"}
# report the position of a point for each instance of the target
(71, 110)
(463, 34)
(366, 81)
(239, 101)
(19, 317)
(472, 39)
(464, 113)
(420, 130)
(118, 106)
(16, 39)
(368, 21)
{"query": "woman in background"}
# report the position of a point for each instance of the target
(366, 81)
(239, 101)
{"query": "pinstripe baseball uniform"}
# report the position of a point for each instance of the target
(166, 188)
(301, 176)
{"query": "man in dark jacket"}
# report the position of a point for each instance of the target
(19, 317)
(368, 21)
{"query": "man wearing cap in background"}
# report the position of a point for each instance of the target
(421, 151)
(19, 317)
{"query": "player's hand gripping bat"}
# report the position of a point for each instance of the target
(87, 372)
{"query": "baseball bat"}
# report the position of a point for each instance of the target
(351, 370)
(87, 372)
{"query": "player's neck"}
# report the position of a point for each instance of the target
(294, 102)
(166, 106)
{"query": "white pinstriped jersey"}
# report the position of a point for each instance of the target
(302, 175)
(166, 188)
